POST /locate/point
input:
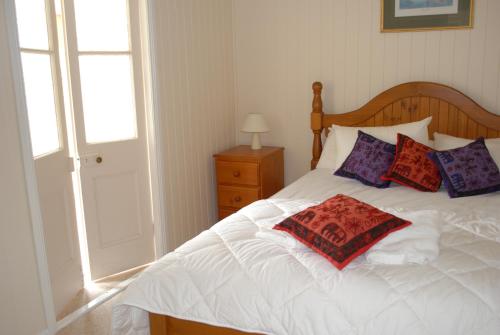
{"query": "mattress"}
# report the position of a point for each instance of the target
(226, 276)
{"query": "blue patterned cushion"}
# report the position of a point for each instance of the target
(368, 161)
(469, 170)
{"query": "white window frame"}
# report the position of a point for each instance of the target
(135, 53)
(55, 68)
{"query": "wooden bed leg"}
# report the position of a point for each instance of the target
(317, 123)
(157, 324)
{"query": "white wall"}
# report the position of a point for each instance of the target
(195, 71)
(21, 309)
(282, 46)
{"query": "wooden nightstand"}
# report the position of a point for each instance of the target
(245, 175)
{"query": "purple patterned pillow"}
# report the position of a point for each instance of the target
(468, 170)
(368, 161)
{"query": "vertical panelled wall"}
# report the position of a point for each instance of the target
(196, 90)
(282, 46)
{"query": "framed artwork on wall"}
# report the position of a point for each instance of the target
(415, 15)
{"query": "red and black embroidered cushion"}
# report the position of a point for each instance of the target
(412, 167)
(341, 228)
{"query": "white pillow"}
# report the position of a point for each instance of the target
(447, 142)
(327, 158)
(341, 140)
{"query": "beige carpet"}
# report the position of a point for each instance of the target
(97, 322)
(100, 286)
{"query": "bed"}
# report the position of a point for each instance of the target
(227, 281)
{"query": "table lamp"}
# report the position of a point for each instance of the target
(255, 124)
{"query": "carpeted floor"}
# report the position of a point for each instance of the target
(98, 321)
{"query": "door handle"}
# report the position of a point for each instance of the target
(89, 160)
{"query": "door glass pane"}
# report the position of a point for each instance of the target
(32, 24)
(102, 25)
(108, 98)
(40, 101)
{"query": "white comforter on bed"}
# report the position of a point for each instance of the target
(226, 276)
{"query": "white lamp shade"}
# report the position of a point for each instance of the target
(255, 123)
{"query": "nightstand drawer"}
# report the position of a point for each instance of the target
(237, 197)
(241, 173)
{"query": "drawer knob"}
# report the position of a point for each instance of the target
(237, 198)
(236, 174)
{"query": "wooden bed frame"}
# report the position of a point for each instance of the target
(453, 113)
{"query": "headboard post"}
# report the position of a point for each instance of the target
(317, 123)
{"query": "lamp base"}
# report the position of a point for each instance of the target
(256, 141)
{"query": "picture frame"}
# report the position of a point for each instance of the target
(423, 15)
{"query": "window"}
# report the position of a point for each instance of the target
(37, 55)
(104, 55)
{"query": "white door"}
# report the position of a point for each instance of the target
(42, 82)
(110, 127)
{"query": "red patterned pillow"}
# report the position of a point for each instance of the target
(341, 228)
(412, 167)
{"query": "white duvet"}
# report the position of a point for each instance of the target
(227, 276)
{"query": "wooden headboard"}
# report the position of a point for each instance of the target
(453, 113)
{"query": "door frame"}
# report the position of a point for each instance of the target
(154, 143)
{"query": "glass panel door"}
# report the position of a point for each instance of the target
(105, 67)
(39, 53)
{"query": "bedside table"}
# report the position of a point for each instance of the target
(245, 175)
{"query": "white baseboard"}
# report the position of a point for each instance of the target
(90, 306)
